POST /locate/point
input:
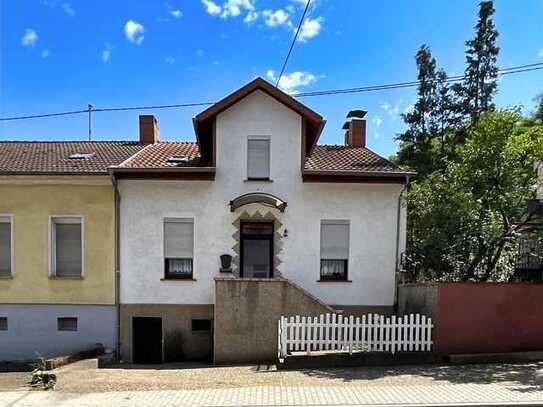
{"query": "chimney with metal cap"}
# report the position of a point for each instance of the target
(149, 132)
(355, 128)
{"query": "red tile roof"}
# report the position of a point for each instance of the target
(337, 158)
(324, 158)
(157, 155)
(53, 157)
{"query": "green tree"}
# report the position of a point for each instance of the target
(465, 222)
(479, 86)
(416, 142)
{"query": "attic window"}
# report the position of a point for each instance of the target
(81, 156)
(178, 159)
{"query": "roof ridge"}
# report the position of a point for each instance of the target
(132, 156)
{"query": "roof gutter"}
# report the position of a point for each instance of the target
(211, 170)
(52, 173)
(354, 173)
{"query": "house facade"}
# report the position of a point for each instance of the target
(255, 198)
(57, 247)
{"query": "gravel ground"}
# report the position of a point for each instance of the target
(84, 377)
(13, 380)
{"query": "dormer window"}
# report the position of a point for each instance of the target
(81, 156)
(258, 158)
(178, 160)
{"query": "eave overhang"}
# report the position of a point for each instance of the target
(183, 173)
(364, 177)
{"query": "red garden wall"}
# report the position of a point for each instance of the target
(488, 317)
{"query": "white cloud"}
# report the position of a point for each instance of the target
(30, 38)
(377, 121)
(540, 54)
(200, 52)
(275, 18)
(212, 8)
(176, 13)
(376, 135)
(250, 17)
(105, 56)
(68, 9)
(134, 31)
(169, 60)
(233, 8)
(393, 111)
(45, 53)
(290, 82)
(310, 28)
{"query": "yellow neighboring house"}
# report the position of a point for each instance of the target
(57, 246)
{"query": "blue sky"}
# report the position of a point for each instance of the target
(59, 55)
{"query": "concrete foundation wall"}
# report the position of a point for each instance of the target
(246, 315)
(418, 299)
(33, 330)
(179, 341)
(359, 310)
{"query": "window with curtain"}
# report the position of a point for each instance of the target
(178, 248)
(5, 246)
(258, 158)
(67, 246)
(334, 249)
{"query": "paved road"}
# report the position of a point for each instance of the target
(430, 395)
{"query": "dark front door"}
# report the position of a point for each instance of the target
(256, 249)
(147, 334)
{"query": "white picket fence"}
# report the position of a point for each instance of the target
(371, 333)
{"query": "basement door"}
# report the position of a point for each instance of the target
(147, 340)
(256, 250)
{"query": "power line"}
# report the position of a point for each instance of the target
(292, 43)
(371, 88)
(451, 79)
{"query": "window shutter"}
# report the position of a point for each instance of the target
(68, 249)
(178, 238)
(5, 249)
(335, 240)
(258, 158)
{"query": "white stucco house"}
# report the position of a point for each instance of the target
(255, 188)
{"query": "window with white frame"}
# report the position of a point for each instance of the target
(334, 250)
(6, 246)
(178, 248)
(258, 158)
(66, 246)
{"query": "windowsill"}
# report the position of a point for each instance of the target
(66, 278)
(6, 277)
(334, 281)
(178, 279)
(258, 180)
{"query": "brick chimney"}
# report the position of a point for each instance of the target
(355, 129)
(149, 132)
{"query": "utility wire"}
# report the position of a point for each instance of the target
(451, 79)
(292, 43)
(372, 88)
